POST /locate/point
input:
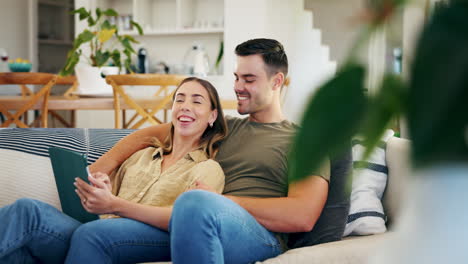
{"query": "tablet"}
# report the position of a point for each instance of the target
(67, 165)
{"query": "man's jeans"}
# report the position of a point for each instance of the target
(209, 228)
(205, 228)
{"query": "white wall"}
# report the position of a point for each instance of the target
(14, 30)
(337, 19)
(15, 33)
(289, 23)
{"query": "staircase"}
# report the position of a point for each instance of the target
(310, 63)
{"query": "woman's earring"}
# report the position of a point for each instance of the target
(211, 124)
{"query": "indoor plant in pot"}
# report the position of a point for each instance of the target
(432, 228)
(97, 47)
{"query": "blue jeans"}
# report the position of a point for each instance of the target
(32, 231)
(205, 228)
(209, 228)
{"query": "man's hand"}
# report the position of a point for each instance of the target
(96, 199)
(199, 185)
(128, 145)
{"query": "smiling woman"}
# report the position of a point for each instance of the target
(138, 194)
(197, 116)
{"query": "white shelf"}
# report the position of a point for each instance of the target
(55, 42)
(55, 3)
(176, 32)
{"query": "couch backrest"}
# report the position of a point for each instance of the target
(399, 169)
(25, 168)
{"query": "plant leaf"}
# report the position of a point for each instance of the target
(331, 118)
(84, 37)
(82, 12)
(138, 27)
(110, 12)
(107, 25)
(131, 39)
(102, 58)
(127, 46)
(105, 34)
(128, 60)
(438, 94)
(91, 21)
(388, 104)
(220, 54)
(116, 58)
(98, 13)
(72, 60)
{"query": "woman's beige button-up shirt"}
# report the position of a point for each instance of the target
(139, 178)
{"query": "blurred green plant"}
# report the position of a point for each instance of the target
(435, 100)
(220, 55)
(98, 34)
(438, 94)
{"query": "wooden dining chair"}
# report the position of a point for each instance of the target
(28, 100)
(72, 82)
(166, 83)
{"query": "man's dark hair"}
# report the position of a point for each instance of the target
(271, 51)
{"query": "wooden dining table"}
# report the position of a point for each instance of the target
(92, 103)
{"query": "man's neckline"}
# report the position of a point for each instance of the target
(266, 123)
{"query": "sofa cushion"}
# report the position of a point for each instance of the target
(25, 163)
(349, 250)
(366, 214)
(331, 223)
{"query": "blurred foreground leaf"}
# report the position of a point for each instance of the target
(438, 95)
(389, 103)
(330, 120)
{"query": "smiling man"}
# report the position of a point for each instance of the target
(250, 221)
(257, 86)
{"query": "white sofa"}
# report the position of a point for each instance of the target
(26, 172)
(359, 249)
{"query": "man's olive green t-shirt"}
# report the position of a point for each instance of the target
(254, 158)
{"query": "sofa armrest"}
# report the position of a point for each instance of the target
(354, 249)
(399, 169)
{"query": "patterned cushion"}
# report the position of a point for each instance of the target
(366, 214)
(25, 163)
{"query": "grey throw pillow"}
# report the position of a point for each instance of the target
(331, 223)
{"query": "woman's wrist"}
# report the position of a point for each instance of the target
(117, 205)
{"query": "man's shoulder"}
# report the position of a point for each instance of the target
(289, 125)
(233, 121)
(236, 124)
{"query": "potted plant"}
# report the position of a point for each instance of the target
(104, 45)
(432, 228)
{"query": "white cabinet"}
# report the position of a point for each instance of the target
(166, 17)
(55, 29)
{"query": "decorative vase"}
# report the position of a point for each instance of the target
(432, 228)
(92, 80)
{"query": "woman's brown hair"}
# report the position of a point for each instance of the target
(211, 138)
